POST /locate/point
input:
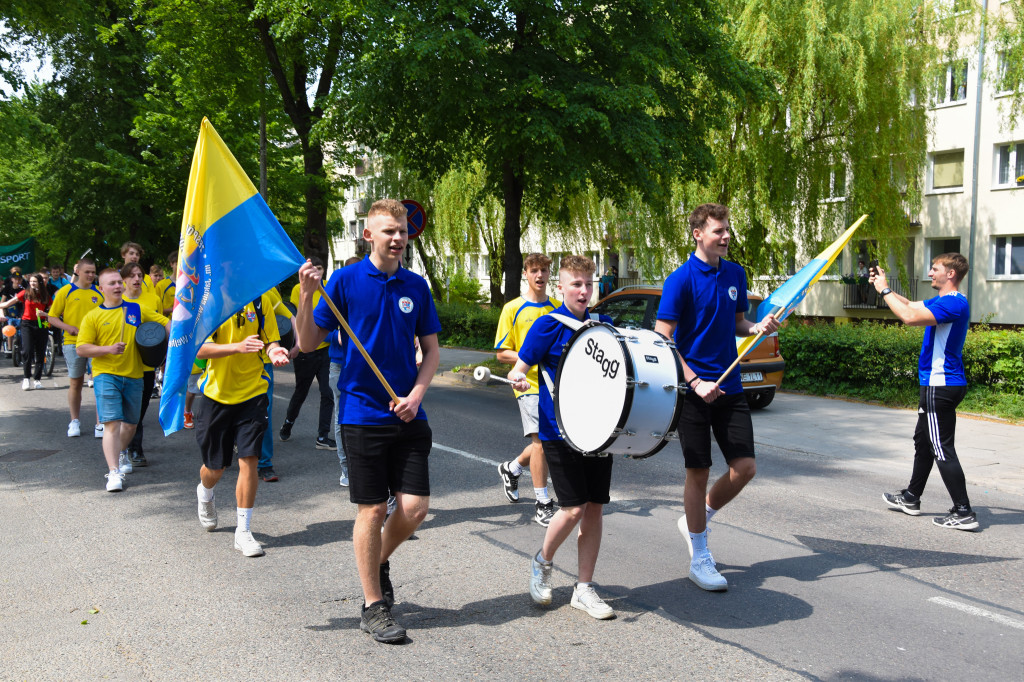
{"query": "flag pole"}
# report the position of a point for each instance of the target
(352, 335)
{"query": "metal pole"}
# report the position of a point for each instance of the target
(977, 152)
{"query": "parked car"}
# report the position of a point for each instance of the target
(636, 307)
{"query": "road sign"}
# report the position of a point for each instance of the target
(417, 217)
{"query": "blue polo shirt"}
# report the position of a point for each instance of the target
(385, 313)
(942, 352)
(334, 349)
(703, 302)
(543, 346)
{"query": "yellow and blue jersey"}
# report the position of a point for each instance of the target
(72, 303)
(233, 379)
(516, 319)
(106, 326)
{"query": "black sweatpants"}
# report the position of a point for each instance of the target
(307, 366)
(33, 349)
(148, 381)
(933, 442)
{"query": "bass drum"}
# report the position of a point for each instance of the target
(617, 391)
(284, 329)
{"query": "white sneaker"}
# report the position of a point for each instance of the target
(88, 382)
(115, 482)
(25, 385)
(37, 384)
(248, 545)
(585, 598)
(74, 428)
(124, 463)
(344, 477)
(707, 577)
(540, 581)
(98, 431)
(207, 514)
(685, 530)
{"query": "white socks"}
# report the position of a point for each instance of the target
(203, 493)
(700, 544)
(244, 519)
(711, 512)
(542, 495)
(515, 468)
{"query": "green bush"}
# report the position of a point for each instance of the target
(462, 289)
(468, 325)
(879, 362)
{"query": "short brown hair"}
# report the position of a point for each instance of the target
(154, 269)
(129, 269)
(700, 215)
(536, 260)
(578, 264)
(955, 262)
(132, 245)
(392, 207)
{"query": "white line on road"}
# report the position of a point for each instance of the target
(468, 455)
(975, 611)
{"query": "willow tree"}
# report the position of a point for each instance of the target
(847, 120)
(550, 96)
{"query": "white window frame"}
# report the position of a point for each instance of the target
(992, 258)
(1016, 157)
(932, 189)
(833, 173)
(945, 97)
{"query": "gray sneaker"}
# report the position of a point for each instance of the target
(585, 598)
(207, 514)
(540, 580)
(377, 620)
(124, 462)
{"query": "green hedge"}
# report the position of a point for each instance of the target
(879, 361)
(467, 325)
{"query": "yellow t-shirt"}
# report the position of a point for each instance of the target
(71, 304)
(150, 301)
(279, 309)
(516, 319)
(316, 299)
(161, 288)
(236, 378)
(107, 326)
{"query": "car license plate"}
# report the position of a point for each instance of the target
(747, 377)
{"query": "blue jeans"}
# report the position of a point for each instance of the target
(267, 454)
(335, 377)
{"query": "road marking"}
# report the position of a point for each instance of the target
(975, 611)
(467, 455)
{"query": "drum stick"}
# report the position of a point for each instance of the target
(737, 361)
(352, 335)
(484, 374)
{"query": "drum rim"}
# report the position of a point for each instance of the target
(630, 377)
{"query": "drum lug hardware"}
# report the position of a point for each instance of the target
(623, 432)
(673, 387)
(672, 435)
(634, 382)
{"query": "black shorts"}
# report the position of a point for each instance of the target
(221, 428)
(385, 460)
(728, 418)
(577, 479)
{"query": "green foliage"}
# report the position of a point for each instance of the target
(467, 325)
(460, 288)
(879, 362)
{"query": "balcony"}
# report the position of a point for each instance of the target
(859, 295)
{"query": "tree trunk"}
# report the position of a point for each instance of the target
(428, 266)
(314, 241)
(512, 260)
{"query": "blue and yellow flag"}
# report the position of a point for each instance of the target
(784, 300)
(232, 249)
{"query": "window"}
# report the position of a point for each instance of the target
(948, 170)
(1009, 159)
(1008, 72)
(952, 84)
(1008, 256)
(937, 247)
(837, 181)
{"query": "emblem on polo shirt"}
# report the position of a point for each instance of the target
(95, 300)
(732, 293)
(250, 315)
(405, 304)
(131, 319)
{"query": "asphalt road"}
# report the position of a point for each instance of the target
(825, 583)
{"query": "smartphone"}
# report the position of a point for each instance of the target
(873, 267)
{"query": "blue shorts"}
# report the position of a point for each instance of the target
(76, 363)
(118, 398)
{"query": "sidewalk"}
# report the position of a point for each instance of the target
(867, 436)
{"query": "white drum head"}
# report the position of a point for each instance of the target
(590, 396)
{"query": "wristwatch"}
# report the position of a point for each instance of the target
(885, 291)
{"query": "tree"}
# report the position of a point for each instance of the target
(550, 97)
(1008, 43)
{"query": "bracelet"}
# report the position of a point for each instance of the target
(690, 382)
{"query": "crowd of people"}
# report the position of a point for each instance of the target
(375, 413)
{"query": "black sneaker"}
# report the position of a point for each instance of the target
(324, 443)
(544, 513)
(138, 459)
(267, 474)
(377, 620)
(510, 481)
(958, 520)
(386, 588)
(286, 430)
(898, 500)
